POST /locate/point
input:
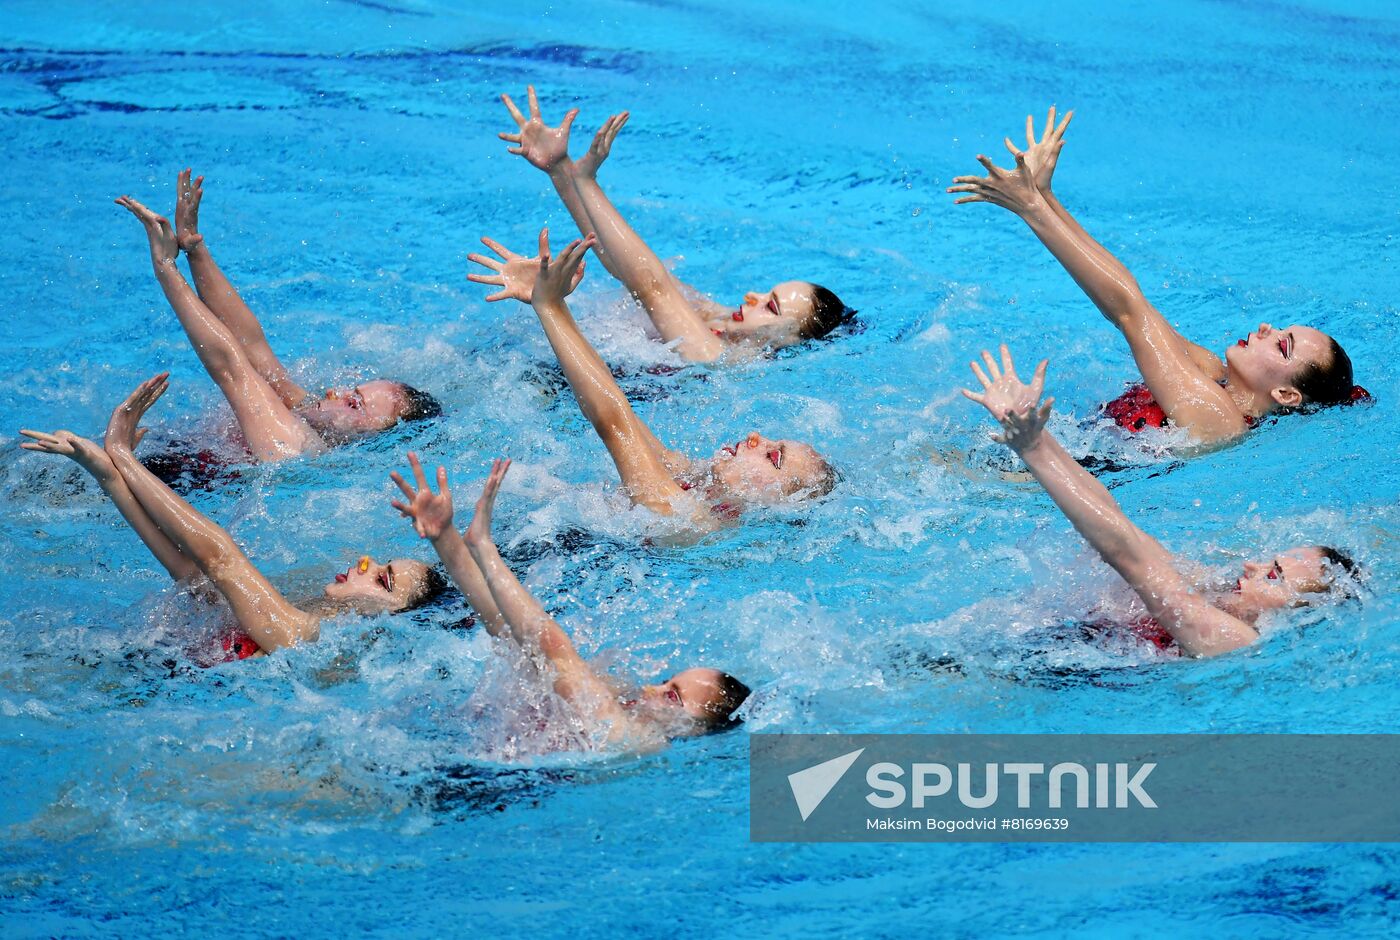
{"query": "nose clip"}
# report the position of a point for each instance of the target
(364, 564)
(331, 395)
(753, 439)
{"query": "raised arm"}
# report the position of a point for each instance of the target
(95, 461)
(1171, 366)
(222, 297)
(260, 609)
(631, 260)
(531, 625)
(621, 249)
(272, 431)
(1200, 628)
(641, 460)
(431, 514)
(1042, 156)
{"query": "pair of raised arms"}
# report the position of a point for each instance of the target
(1184, 378)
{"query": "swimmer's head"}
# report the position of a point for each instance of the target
(1296, 578)
(758, 469)
(786, 314)
(368, 408)
(706, 700)
(1296, 366)
(370, 587)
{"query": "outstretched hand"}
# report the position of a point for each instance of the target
(164, 246)
(1041, 155)
(557, 276)
(515, 274)
(86, 453)
(598, 151)
(1015, 405)
(187, 211)
(544, 146)
(1010, 189)
(122, 430)
(431, 512)
(479, 532)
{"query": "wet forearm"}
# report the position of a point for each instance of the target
(628, 258)
(562, 176)
(1105, 280)
(165, 551)
(1085, 502)
(464, 572)
(196, 537)
(223, 299)
(599, 396)
(212, 340)
(525, 616)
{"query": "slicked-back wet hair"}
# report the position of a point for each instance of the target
(1347, 575)
(1330, 384)
(721, 714)
(435, 584)
(829, 478)
(828, 312)
(418, 404)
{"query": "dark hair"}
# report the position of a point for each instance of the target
(435, 585)
(828, 312)
(1349, 578)
(830, 477)
(720, 715)
(1330, 384)
(418, 405)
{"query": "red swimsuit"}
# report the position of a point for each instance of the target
(1143, 628)
(237, 645)
(1136, 409)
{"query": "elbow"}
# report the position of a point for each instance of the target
(222, 361)
(223, 558)
(1124, 302)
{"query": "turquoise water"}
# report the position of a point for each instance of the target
(1236, 155)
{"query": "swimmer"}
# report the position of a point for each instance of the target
(1271, 371)
(785, 314)
(197, 552)
(278, 417)
(753, 471)
(692, 702)
(1203, 623)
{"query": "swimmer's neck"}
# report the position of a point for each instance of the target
(324, 607)
(1233, 605)
(1250, 402)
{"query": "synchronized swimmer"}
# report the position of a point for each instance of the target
(1269, 372)
(788, 313)
(277, 417)
(755, 470)
(1215, 399)
(1201, 621)
(198, 552)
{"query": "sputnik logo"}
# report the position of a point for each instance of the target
(810, 786)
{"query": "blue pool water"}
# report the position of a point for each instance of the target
(1238, 156)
